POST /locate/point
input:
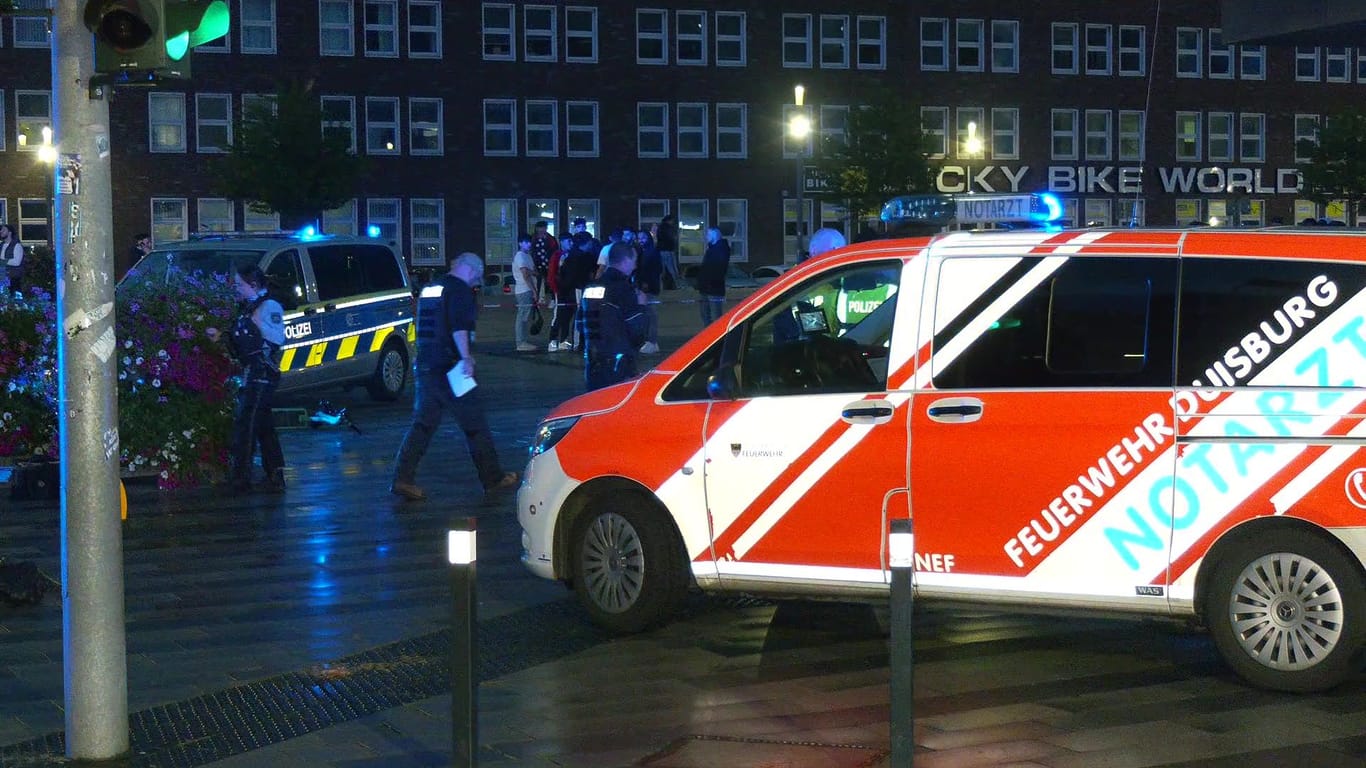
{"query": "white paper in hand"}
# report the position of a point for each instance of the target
(460, 383)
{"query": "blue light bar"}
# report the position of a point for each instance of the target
(372, 230)
(308, 232)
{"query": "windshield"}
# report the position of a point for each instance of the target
(162, 266)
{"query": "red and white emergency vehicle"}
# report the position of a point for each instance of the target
(1167, 423)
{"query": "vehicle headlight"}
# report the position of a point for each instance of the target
(550, 432)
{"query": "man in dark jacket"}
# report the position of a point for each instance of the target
(711, 277)
(612, 321)
(666, 237)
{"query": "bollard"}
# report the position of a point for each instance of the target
(464, 685)
(901, 558)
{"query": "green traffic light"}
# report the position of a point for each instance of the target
(177, 46)
(193, 22)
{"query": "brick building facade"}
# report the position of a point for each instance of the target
(479, 118)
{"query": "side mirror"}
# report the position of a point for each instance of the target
(723, 384)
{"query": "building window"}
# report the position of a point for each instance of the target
(1220, 56)
(500, 229)
(1064, 49)
(1307, 64)
(32, 114)
(542, 210)
(790, 147)
(1098, 42)
(381, 28)
(339, 119)
(258, 26)
(1251, 137)
(1253, 61)
(1098, 134)
(581, 128)
(1132, 53)
(381, 126)
(652, 130)
(834, 42)
(649, 212)
(427, 220)
(336, 28)
(257, 105)
(1098, 212)
(690, 37)
(1188, 136)
(425, 127)
(214, 214)
(1131, 135)
(731, 131)
(1005, 46)
(693, 220)
(497, 20)
(424, 29)
(384, 213)
(341, 220)
(731, 30)
(1132, 212)
(692, 130)
(934, 45)
(834, 123)
(542, 128)
(165, 122)
(540, 31)
(1005, 134)
(968, 45)
(796, 39)
(934, 121)
(34, 215)
(1220, 137)
(254, 220)
(213, 122)
(170, 219)
(732, 218)
(1189, 211)
(1064, 134)
(1336, 64)
(1306, 136)
(31, 31)
(581, 34)
(500, 127)
(1188, 51)
(2, 143)
(968, 120)
(870, 45)
(584, 209)
(1361, 65)
(652, 37)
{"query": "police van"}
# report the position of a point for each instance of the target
(348, 307)
(1166, 423)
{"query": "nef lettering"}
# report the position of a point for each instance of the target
(933, 563)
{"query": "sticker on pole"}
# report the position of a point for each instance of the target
(69, 174)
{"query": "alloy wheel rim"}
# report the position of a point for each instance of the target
(613, 563)
(393, 371)
(1286, 612)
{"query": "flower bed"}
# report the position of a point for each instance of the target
(175, 387)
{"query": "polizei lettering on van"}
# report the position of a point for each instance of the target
(299, 330)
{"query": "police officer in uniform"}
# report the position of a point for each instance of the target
(612, 321)
(255, 340)
(446, 313)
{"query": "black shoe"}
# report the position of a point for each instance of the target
(508, 480)
(276, 483)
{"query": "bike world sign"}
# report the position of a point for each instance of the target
(1120, 179)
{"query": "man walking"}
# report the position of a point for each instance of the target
(446, 313)
(612, 320)
(711, 277)
(524, 292)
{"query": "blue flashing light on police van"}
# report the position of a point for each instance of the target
(372, 230)
(308, 232)
(1052, 207)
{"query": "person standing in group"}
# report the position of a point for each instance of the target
(649, 279)
(667, 240)
(12, 256)
(142, 245)
(255, 340)
(711, 276)
(612, 321)
(576, 269)
(524, 293)
(446, 315)
(542, 248)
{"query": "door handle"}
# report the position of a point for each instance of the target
(867, 412)
(955, 410)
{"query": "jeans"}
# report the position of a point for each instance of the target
(712, 307)
(670, 261)
(562, 326)
(433, 400)
(521, 329)
(252, 427)
(651, 318)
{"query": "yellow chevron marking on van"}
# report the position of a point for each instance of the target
(380, 336)
(347, 347)
(412, 333)
(315, 354)
(287, 359)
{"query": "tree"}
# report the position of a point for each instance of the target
(881, 156)
(283, 162)
(1337, 162)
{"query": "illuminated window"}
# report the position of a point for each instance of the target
(213, 122)
(1251, 137)
(381, 126)
(690, 37)
(1132, 51)
(796, 39)
(424, 29)
(33, 113)
(791, 147)
(731, 49)
(1188, 136)
(339, 119)
(1307, 64)
(427, 223)
(652, 37)
(1064, 49)
(581, 128)
(336, 28)
(581, 34)
(381, 28)
(1306, 131)
(1220, 137)
(964, 118)
(1098, 43)
(1220, 56)
(170, 220)
(732, 132)
(871, 45)
(540, 31)
(693, 220)
(1131, 135)
(542, 130)
(692, 130)
(165, 122)
(497, 33)
(652, 130)
(425, 127)
(1005, 46)
(1098, 134)
(578, 208)
(257, 20)
(1064, 134)
(968, 44)
(934, 45)
(500, 127)
(215, 214)
(1188, 51)
(934, 121)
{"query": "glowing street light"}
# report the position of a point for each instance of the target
(799, 129)
(972, 147)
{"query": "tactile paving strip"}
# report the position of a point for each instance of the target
(218, 725)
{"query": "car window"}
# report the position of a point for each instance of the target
(349, 269)
(285, 279)
(163, 266)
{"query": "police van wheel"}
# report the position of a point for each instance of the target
(391, 374)
(627, 570)
(1288, 613)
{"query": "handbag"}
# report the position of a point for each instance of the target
(537, 321)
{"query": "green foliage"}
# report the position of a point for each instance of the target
(1337, 161)
(40, 268)
(883, 155)
(283, 162)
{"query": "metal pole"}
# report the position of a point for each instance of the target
(801, 204)
(95, 669)
(464, 684)
(901, 551)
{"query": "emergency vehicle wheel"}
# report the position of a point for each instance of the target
(626, 569)
(391, 374)
(1288, 614)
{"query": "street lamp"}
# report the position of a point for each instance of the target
(972, 147)
(47, 155)
(799, 128)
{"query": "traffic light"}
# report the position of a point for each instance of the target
(152, 36)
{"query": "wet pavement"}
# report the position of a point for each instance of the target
(312, 630)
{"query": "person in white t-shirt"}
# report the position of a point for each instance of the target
(523, 291)
(11, 258)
